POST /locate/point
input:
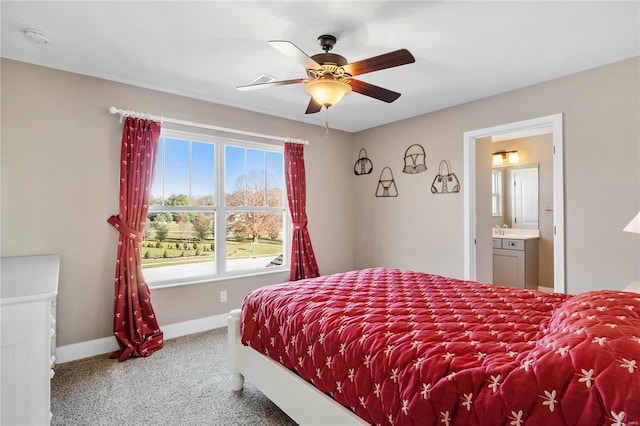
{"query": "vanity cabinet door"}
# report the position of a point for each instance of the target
(508, 267)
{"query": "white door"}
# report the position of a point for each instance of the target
(525, 198)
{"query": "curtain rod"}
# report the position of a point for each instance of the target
(136, 114)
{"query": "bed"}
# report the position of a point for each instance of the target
(387, 346)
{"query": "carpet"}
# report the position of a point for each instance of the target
(185, 383)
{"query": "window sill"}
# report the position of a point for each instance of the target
(203, 279)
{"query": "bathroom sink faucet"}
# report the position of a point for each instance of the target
(497, 230)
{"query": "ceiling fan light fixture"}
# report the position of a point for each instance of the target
(327, 92)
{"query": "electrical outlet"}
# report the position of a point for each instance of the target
(223, 296)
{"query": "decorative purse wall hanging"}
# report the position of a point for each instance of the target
(414, 160)
(386, 184)
(445, 181)
(363, 165)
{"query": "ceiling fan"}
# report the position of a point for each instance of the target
(330, 76)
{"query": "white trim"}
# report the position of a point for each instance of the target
(172, 331)
(108, 344)
(551, 124)
(85, 349)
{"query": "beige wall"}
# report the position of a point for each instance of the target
(59, 161)
(60, 155)
(423, 231)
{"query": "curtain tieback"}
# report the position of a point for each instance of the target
(300, 225)
(124, 229)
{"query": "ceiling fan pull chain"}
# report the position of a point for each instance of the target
(326, 124)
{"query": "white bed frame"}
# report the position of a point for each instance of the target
(304, 403)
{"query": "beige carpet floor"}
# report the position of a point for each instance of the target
(185, 383)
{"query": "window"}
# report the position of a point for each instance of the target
(217, 209)
(496, 192)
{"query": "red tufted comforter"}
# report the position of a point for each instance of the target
(408, 348)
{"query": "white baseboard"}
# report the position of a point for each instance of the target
(108, 344)
(85, 349)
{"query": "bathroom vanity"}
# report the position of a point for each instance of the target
(515, 258)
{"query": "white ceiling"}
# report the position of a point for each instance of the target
(464, 50)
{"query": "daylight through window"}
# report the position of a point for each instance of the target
(496, 192)
(217, 208)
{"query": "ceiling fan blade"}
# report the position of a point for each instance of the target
(373, 91)
(294, 52)
(381, 62)
(271, 84)
(313, 107)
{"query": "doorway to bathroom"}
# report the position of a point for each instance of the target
(478, 210)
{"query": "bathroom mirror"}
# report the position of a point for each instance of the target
(515, 196)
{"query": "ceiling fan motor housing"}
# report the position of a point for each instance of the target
(330, 58)
(327, 41)
(331, 67)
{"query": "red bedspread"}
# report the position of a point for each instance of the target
(407, 348)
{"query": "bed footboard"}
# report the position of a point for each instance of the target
(236, 380)
(300, 400)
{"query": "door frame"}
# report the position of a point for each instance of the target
(541, 125)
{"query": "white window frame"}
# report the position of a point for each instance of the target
(220, 211)
(497, 189)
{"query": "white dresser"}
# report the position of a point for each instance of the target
(28, 290)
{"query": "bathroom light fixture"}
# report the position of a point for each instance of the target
(327, 91)
(510, 157)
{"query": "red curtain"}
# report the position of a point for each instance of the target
(303, 261)
(134, 324)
